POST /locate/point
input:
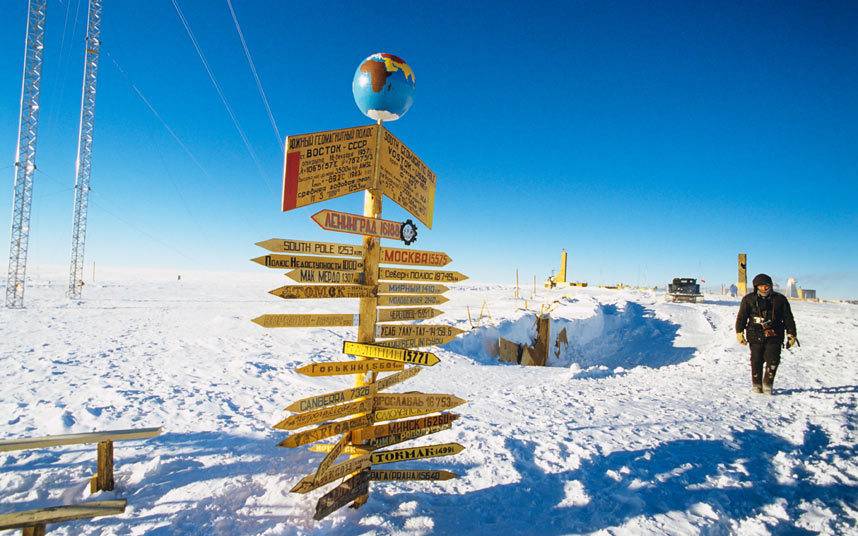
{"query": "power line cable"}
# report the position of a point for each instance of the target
(223, 99)
(255, 75)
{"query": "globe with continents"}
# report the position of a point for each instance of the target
(383, 87)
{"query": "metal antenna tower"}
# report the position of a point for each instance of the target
(83, 165)
(25, 153)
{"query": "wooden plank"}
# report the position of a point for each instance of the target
(341, 495)
(399, 377)
(413, 313)
(305, 320)
(327, 430)
(329, 399)
(303, 247)
(406, 179)
(338, 368)
(333, 454)
(415, 453)
(59, 514)
(348, 449)
(323, 165)
(398, 413)
(388, 331)
(412, 274)
(376, 351)
(411, 474)
(8, 445)
(315, 292)
(291, 262)
(103, 480)
(300, 420)
(414, 257)
(411, 299)
(345, 222)
(335, 472)
(410, 288)
(363, 435)
(307, 275)
(428, 402)
(415, 342)
(393, 439)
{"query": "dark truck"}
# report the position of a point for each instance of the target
(684, 289)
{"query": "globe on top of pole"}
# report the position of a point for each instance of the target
(383, 87)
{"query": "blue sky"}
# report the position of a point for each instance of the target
(650, 140)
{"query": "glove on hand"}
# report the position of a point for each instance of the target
(791, 341)
(741, 338)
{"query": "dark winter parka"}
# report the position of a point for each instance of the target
(774, 307)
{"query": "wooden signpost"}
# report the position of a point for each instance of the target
(321, 166)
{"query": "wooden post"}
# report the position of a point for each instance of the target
(516, 283)
(35, 530)
(743, 274)
(371, 256)
(103, 480)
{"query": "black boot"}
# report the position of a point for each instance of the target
(769, 379)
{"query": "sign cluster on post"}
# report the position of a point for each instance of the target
(321, 166)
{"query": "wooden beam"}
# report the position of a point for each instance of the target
(103, 480)
(77, 439)
(57, 514)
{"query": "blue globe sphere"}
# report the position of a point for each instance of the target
(383, 87)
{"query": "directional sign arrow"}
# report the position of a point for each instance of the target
(430, 402)
(412, 474)
(307, 275)
(306, 320)
(290, 262)
(401, 437)
(415, 453)
(291, 292)
(414, 313)
(410, 274)
(300, 420)
(326, 430)
(415, 342)
(388, 331)
(339, 368)
(341, 495)
(375, 351)
(340, 470)
(364, 435)
(344, 222)
(410, 288)
(414, 257)
(411, 299)
(303, 247)
(329, 399)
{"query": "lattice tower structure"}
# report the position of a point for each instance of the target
(25, 153)
(83, 164)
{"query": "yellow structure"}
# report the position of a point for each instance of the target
(743, 274)
(561, 276)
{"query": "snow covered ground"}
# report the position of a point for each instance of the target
(645, 423)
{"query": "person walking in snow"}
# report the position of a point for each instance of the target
(766, 317)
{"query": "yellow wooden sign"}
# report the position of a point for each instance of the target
(415, 453)
(327, 430)
(415, 342)
(339, 368)
(423, 401)
(324, 165)
(401, 437)
(303, 247)
(414, 313)
(406, 179)
(291, 262)
(308, 275)
(388, 331)
(414, 257)
(412, 274)
(365, 434)
(348, 449)
(411, 474)
(293, 292)
(399, 377)
(410, 288)
(341, 495)
(305, 320)
(337, 397)
(300, 420)
(335, 472)
(398, 413)
(333, 454)
(374, 351)
(345, 222)
(411, 299)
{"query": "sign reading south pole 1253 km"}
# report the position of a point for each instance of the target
(328, 164)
